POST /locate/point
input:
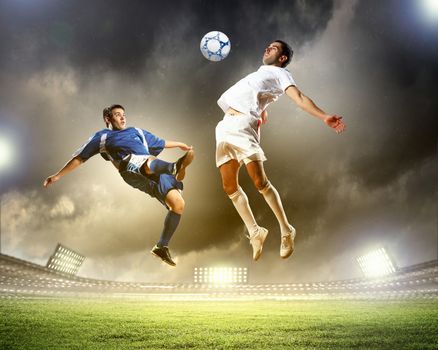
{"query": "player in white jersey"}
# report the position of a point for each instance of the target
(238, 139)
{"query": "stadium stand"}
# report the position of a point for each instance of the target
(22, 279)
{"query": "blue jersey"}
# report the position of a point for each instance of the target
(115, 145)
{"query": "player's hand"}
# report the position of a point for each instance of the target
(185, 147)
(335, 122)
(51, 180)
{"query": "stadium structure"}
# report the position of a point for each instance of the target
(22, 279)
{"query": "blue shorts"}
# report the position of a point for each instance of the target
(157, 186)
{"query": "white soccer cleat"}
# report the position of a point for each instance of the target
(257, 240)
(287, 243)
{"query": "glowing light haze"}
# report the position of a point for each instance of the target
(376, 263)
(5, 153)
(431, 9)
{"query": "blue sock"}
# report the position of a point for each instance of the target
(159, 166)
(170, 224)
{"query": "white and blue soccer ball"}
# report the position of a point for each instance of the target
(215, 46)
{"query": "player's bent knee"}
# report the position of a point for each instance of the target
(178, 205)
(260, 183)
(265, 187)
(175, 201)
(229, 188)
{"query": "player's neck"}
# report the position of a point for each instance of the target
(278, 65)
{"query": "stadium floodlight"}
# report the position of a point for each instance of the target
(6, 156)
(220, 275)
(5, 153)
(376, 263)
(65, 260)
(431, 8)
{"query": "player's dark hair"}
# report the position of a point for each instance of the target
(285, 50)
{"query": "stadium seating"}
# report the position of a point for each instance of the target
(22, 279)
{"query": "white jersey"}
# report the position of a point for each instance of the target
(252, 94)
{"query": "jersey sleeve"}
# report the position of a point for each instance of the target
(89, 148)
(155, 144)
(285, 79)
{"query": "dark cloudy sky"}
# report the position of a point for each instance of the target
(373, 62)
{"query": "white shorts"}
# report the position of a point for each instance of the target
(134, 162)
(237, 138)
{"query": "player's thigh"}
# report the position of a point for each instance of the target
(229, 173)
(256, 172)
(175, 201)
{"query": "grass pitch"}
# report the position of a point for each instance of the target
(128, 324)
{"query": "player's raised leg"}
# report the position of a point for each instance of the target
(257, 235)
(158, 166)
(257, 173)
(175, 202)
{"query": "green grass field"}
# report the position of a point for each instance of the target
(128, 324)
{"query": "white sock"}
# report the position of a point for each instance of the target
(274, 201)
(241, 203)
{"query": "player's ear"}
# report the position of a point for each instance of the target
(282, 59)
(107, 121)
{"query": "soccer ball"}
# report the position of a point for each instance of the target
(215, 46)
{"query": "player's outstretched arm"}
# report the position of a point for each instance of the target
(305, 103)
(174, 144)
(71, 165)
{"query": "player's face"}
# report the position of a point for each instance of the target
(272, 54)
(118, 119)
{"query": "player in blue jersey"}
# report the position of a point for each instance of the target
(133, 152)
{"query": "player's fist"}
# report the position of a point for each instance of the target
(51, 180)
(335, 122)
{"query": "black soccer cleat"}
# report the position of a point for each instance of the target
(182, 163)
(164, 254)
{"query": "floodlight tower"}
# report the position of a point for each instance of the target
(220, 276)
(376, 263)
(65, 260)
(5, 160)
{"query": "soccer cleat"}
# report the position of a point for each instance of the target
(287, 243)
(257, 240)
(182, 163)
(164, 254)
